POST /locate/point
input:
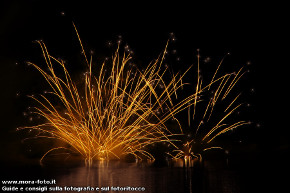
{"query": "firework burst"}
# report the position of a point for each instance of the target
(208, 116)
(115, 113)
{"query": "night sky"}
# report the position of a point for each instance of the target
(253, 34)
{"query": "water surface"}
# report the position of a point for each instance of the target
(211, 176)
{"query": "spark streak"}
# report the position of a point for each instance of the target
(111, 115)
(206, 129)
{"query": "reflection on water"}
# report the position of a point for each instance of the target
(202, 177)
(242, 174)
(121, 174)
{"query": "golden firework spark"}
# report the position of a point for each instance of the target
(113, 114)
(206, 128)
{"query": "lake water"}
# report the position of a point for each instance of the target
(212, 176)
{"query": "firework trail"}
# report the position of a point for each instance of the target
(113, 114)
(213, 105)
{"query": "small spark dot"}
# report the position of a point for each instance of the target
(62, 13)
(109, 44)
(207, 59)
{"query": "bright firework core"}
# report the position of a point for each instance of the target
(119, 111)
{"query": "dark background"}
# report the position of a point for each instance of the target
(251, 33)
